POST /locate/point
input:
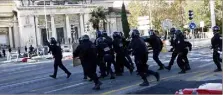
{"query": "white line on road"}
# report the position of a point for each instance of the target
(65, 87)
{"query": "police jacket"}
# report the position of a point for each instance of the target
(216, 42)
(155, 42)
(138, 47)
(118, 46)
(102, 47)
(56, 51)
(86, 51)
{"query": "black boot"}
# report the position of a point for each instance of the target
(161, 68)
(182, 72)
(97, 86)
(218, 70)
(85, 77)
(112, 76)
(68, 75)
(168, 68)
(157, 75)
(53, 76)
(144, 83)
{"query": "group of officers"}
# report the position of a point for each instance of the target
(105, 52)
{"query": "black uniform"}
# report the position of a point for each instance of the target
(104, 45)
(87, 53)
(157, 46)
(140, 52)
(122, 58)
(84, 67)
(57, 54)
(216, 43)
(100, 58)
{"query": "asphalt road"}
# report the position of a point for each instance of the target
(33, 78)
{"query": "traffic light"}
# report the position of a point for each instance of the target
(191, 14)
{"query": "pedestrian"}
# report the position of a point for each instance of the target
(57, 54)
(25, 49)
(3, 51)
(140, 52)
(216, 43)
(10, 49)
(157, 46)
(87, 53)
(100, 55)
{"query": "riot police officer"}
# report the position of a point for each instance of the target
(216, 43)
(100, 55)
(172, 38)
(84, 69)
(140, 52)
(181, 47)
(104, 44)
(173, 44)
(121, 53)
(157, 46)
(87, 53)
(57, 54)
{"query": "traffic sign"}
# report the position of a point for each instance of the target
(202, 24)
(166, 24)
(192, 25)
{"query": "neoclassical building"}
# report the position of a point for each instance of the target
(23, 22)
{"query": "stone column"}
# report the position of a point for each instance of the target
(10, 37)
(53, 29)
(81, 24)
(38, 34)
(16, 32)
(68, 28)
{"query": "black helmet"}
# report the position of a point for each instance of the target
(135, 33)
(216, 29)
(53, 41)
(151, 32)
(104, 33)
(98, 34)
(115, 35)
(85, 38)
(80, 40)
(172, 30)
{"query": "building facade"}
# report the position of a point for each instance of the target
(32, 23)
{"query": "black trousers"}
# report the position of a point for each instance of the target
(84, 68)
(58, 63)
(217, 60)
(121, 62)
(180, 61)
(173, 57)
(156, 53)
(141, 62)
(186, 60)
(91, 68)
(109, 59)
(101, 64)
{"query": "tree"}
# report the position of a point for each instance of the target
(125, 24)
(98, 15)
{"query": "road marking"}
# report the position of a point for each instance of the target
(30, 81)
(38, 89)
(112, 91)
(210, 63)
(206, 76)
(65, 87)
(196, 77)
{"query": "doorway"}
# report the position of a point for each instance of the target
(44, 36)
(60, 35)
